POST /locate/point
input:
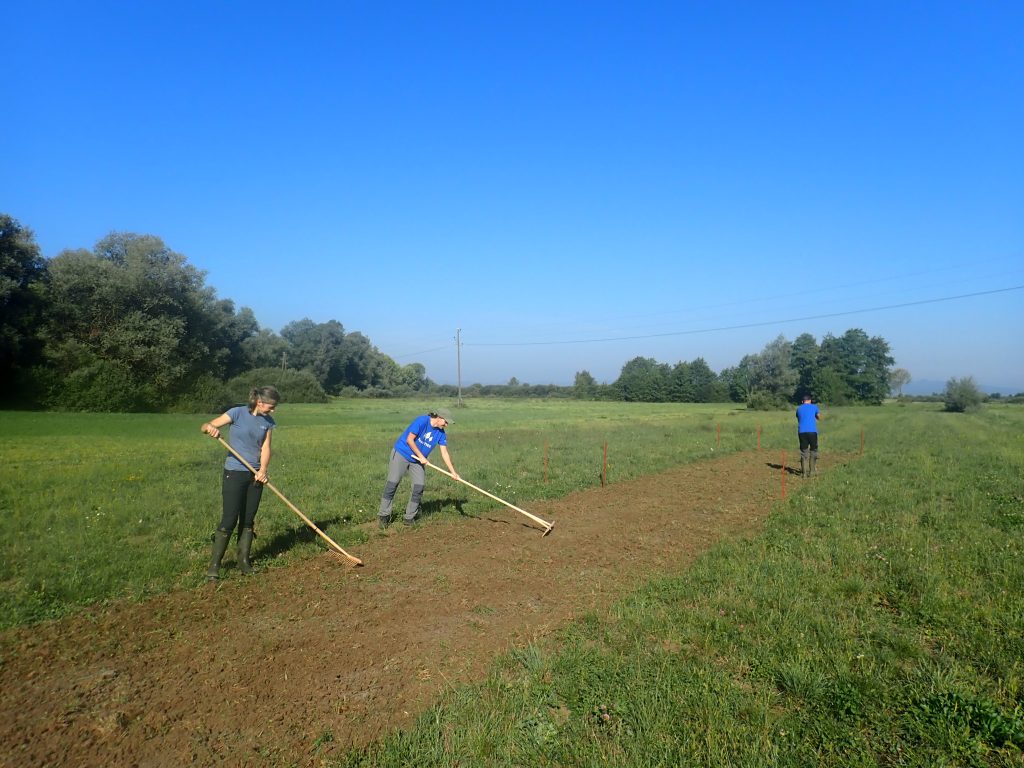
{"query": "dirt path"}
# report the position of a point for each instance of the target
(254, 670)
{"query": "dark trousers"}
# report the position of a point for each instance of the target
(241, 494)
(808, 440)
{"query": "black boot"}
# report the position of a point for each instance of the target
(220, 543)
(244, 545)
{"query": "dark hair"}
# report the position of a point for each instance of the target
(266, 394)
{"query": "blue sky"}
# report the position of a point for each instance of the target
(571, 184)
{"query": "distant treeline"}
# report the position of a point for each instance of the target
(131, 326)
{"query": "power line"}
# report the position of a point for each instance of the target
(746, 325)
(422, 352)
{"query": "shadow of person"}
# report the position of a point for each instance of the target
(789, 470)
(435, 506)
(300, 533)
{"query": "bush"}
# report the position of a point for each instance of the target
(962, 395)
(765, 401)
(105, 386)
(207, 395)
(294, 386)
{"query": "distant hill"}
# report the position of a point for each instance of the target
(931, 387)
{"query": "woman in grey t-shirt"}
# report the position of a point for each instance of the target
(251, 428)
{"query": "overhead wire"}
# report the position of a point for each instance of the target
(745, 325)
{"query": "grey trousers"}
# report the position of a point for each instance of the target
(397, 468)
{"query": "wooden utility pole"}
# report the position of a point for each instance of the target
(458, 361)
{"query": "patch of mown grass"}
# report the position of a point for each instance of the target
(876, 621)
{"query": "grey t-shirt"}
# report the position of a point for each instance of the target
(247, 435)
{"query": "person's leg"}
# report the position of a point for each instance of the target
(233, 492)
(397, 467)
(416, 475)
(814, 453)
(254, 492)
(805, 452)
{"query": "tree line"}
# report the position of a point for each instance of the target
(131, 326)
(849, 369)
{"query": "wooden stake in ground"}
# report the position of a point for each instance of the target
(292, 507)
(547, 526)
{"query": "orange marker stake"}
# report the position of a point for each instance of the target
(783, 474)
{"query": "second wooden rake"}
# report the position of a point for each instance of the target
(547, 526)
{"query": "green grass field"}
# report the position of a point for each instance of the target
(98, 507)
(877, 619)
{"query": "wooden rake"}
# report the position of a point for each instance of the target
(547, 526)
(354, 560)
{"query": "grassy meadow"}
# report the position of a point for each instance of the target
(97, 507)
(878, 618)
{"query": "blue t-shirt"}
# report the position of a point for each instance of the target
(426, 438)
(247, 435)
(807, 418)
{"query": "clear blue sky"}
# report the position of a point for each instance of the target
(550, 177)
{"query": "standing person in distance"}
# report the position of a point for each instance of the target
(807, 417)
(251, 428)
(409, 456)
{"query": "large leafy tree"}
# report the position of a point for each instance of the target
(805, 362)
(707, 388)
(317, 348)
(643, 380)
(771, 373)
(584, 385)
(22, 277)
(861, 363)
(898, 379)
(681, 386)
(132, 326)
(735, 380)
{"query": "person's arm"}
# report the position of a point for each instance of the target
(261, 474)
(448, 461)
(212, 427)
(410, 440)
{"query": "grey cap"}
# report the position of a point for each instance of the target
(445, 414)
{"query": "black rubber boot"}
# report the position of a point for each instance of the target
(244, 546)
(220, 544)
(383, 521)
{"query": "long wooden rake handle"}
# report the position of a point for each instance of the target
(547, 526)
(291, 506)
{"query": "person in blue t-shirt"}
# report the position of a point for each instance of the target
(241, 491)
(409, 455)
(807, 417)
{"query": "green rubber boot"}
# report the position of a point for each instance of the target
(803, 463)
(220, 544)
(814, 463)
(244, 545)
